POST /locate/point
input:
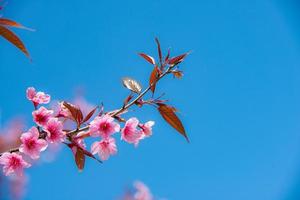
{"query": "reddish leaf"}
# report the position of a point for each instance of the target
(178, 59)
(128, 99)
(148, 58)
(159, 50)
(89, 154)
(11, 23)
(79, 117)
(80, 159)
(168, 56)
(71, 108)
(14, 39)
(75, 112)
(78, 151)
(89, 115)
(177, 74)
(167, 112)
(153, 79)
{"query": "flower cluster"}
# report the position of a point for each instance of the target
(49, 129)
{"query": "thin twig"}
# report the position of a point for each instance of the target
(121, 110)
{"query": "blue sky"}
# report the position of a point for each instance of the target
(239, 98)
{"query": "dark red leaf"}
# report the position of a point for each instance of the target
(178, 59)
(159, 50)
(168, 113)
(153, 79)
(80, 159)
(89, 115)
(11, 23)
(14, 39)
(148, 58)
(89, 154)
(168, 56)
(128, 99)
(75, 112)
(75, 147)
(177, 74)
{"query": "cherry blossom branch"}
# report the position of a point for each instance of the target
(124, 108)
(50, 127)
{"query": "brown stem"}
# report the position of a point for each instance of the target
(121, 110)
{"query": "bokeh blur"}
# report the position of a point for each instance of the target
(239, 98)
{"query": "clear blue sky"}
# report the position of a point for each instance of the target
(239, 98)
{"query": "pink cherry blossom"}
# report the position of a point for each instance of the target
(130, 133)
(143, 192)
(13, 163)
(103, 126)
(54, 129)
(42, 116)
(37, 97)
(147, 128)
(31, 144)
(104, 148)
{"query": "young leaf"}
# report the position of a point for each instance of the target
(75, 112)
(167, 112)
(80, 159)
(11, 23)
(128, 99)
(148, 58)
(178, 74)
(176, 60)
(14, 39)
(159, 50)
(89, 115)
(153, 79)
(168, 56)
(132, 85)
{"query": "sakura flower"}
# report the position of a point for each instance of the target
(37, 97)
(143, 192)
(31, 144)
(130, 133)
(103, 126)
(54, 129)
(42, 116)
(147, 128)
(104, 148)
(13, 163)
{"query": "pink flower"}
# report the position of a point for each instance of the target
(42, 116)
(103, 126)
(146, 128)
(54, 129)
(31, 144)
(37, 97)
(130, 133)
(143, 192)
(104, 148)
(13, 163)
